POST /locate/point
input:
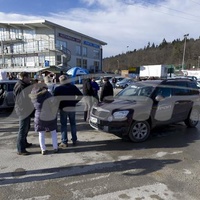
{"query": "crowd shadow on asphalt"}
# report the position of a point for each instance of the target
(129, 167)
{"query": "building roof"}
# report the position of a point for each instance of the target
(44, 23)
(24, 69)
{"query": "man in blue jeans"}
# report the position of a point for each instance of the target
(23, 108)
(68, 95)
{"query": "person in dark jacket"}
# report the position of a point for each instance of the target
(107, 90)
(88, 94)
(23, 108)
(68, 95)
(45, 119)
(96, 88)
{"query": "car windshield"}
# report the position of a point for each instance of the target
(136, 90)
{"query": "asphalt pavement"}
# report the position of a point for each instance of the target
(101, 166)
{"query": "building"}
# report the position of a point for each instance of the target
(37, 45)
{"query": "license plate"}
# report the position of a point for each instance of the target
(93, 120)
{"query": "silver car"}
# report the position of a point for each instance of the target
(124, 83)
(6, 94)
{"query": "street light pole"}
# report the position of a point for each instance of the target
(127, 49)
(118, 64)
(183, 61)
(127, 56)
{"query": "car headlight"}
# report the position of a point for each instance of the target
(120, 114)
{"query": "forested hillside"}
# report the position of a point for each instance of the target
(169, 53)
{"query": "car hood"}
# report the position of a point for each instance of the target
(122, 104)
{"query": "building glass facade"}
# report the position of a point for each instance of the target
(45, 44)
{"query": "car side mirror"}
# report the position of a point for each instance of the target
(159, 98)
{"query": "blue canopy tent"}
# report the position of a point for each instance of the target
(75, 72)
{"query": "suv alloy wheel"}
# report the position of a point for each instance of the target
(139, 131)
(193, 118)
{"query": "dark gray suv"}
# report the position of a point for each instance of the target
(144, 105)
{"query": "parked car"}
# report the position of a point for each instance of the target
(144, 105)
(6, 94)
(98, 80)
(119, 78)
(124, 83)
(100, 83)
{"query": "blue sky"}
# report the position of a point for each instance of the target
(124, 24)
(38, 7)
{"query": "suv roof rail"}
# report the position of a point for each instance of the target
(181, 78)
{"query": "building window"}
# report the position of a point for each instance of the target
(29, 34)
(78, 62)
(3, 34)
(18, 48)
(85, 63)
(15, 34)
(59, 61)
(96, 66)
(96, 54)
(84, 49)
(78, 50)
(61, 45)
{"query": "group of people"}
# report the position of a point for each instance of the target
(36, 97)
(43, 100)
(91, 94)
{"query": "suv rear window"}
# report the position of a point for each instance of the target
(179, 87)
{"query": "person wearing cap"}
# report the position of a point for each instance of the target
(68, 95)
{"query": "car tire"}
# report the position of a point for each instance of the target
(193, 118)
(139, 131)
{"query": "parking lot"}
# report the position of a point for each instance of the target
(102, 166)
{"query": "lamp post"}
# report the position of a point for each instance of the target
(118, 64)
(127, 56)
(198, 61)
(127, 49)
(183, 61)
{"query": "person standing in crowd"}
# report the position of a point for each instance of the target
(2, 93)
(95, 87)
(107, 90)
(23, 108)
(88, 94)
(114, 80)
(68, 96)
(45, 119)
(49, 82)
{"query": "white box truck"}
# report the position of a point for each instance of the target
(153, 71)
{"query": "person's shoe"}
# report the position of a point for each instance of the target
(74, 143)
(23, 153)
(63, 145)
(28, 145)
(43, 152)
(55, 150)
